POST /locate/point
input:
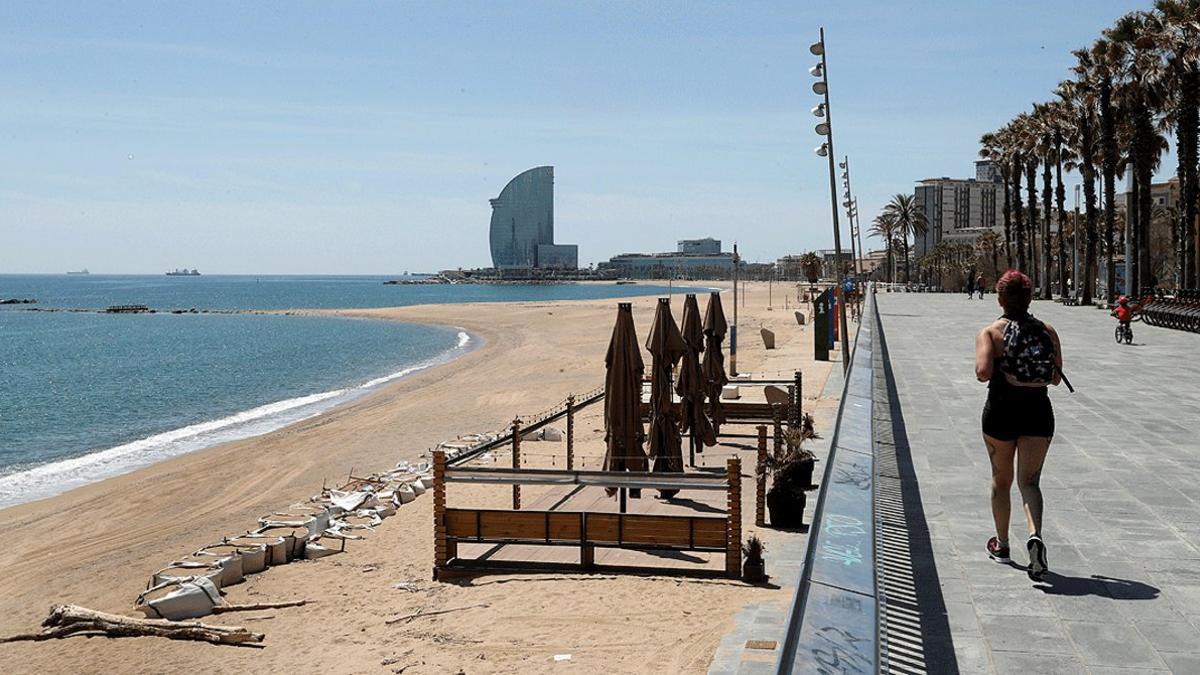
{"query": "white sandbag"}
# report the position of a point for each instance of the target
(317, 549)
(552, 434)
(426, 482)
(254, 556)
(406, 493)
(293, 537)
(277, 547)
(219, 552)
(350, 501)
(418, 487)
(187, 570)
(179, 599)
(731, 392)
(385, 510)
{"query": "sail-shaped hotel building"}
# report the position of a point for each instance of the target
(522, 230)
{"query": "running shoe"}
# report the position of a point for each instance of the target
(1037, 558)
(998, 552)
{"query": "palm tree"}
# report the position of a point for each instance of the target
(1079, 96)
(1179, 31)
(1102, 64)
(994, 146)
(1140, 68)
(884, 227)
(909, 219)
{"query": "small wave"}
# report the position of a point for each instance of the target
(57, 477)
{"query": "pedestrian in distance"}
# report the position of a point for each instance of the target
(1019, 357)
(970, 287)
(981, 286)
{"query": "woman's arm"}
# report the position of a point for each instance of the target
(983, 355)
(1058, 361)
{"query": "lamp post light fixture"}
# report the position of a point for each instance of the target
(821, 88)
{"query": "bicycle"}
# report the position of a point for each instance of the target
(1124, 332)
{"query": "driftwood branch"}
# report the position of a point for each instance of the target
(221, 609)
(71, 620)
(423, 613)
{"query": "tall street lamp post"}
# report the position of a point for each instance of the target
(825, 128)
(851, 205)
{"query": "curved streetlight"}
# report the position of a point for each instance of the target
(825, 128)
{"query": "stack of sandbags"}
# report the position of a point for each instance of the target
(191, 586)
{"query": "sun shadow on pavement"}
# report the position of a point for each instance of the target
(1098, 585)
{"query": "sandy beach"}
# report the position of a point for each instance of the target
(97, 545)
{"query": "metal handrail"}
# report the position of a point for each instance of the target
(832, 604)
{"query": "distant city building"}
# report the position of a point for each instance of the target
(959, 209)
(705, 246)
(696, 258)
(522, 228)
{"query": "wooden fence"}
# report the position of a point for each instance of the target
(582, 529)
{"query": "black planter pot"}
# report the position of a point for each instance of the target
(786, 508)
(805, 472)
(754, 572)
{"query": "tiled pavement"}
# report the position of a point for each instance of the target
(766, 621)
(1121, 485)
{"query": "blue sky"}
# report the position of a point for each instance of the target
(354, 137)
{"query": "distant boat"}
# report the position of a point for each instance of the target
(82, 271)
(185, 272)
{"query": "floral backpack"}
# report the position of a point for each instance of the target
(1029, 354)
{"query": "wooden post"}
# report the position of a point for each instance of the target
(778, 414)
(516, 461)
(733, 529)
(760, 499)
(798, 411)
(441, 550)
(571, 432)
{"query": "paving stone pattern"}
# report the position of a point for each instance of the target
(1121, 487)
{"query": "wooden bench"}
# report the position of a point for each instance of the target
(585, 531)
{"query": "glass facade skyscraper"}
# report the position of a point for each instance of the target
(523, 224)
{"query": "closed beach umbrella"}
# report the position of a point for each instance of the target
(666, 348)
(714, 361)
(691, 385)
(623, 397)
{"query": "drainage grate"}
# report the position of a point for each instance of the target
(914, 630)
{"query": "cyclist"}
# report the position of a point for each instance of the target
(1124, 312)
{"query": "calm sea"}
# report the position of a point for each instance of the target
(85, 396)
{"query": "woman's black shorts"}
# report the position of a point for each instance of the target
(1011, 413)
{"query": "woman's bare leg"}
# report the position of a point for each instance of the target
(1001, 455)
(1031, 455)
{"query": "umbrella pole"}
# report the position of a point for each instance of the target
(622, 500)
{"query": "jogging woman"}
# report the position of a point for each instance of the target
(1018, 356)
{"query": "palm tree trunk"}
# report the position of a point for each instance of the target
(1060, 194)
(1145, 178)
(1046, 196)
(1018, 214)
(1186, 136)
(1007, 220)
(1108, 147)
(1133, 204)
(1031, 240)
(1088, 169)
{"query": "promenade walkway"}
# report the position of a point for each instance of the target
(1121, 484)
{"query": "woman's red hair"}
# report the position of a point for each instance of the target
(1015, 291)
